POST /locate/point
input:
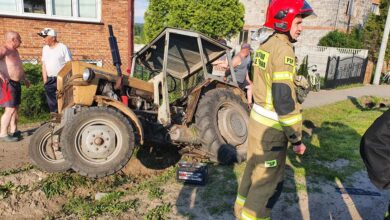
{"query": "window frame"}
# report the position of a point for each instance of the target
(49, 12)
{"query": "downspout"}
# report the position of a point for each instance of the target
(130, 8)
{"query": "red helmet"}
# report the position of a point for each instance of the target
(281, 13)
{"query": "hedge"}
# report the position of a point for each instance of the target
(33, 106)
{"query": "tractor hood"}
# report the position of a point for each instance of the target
(184, 49)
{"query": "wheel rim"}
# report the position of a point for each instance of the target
(232, 124)
(98, 141)
(49, 149)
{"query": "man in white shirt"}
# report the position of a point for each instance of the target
(54, 57)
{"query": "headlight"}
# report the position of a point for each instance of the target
(88, 74)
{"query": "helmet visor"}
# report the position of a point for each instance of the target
(307, 11)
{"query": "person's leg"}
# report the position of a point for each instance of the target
(51, 96)
(267, 181)
(13, 126)
(5, 121)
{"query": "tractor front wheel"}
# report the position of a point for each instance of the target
(98, 141)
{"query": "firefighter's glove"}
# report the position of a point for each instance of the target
(303, 88)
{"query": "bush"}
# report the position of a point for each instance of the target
(343, 40)
(33, 72)
(33, 106)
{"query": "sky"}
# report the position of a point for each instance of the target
(139, 10)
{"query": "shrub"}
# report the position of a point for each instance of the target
(33, 106)
(343, 40)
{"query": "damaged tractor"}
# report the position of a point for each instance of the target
(171, 97)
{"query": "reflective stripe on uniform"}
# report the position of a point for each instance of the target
(291, 120)
(280, 76)
(247, 216)
(268, 100)
(266, 121)
(240, 200)
(265, 112)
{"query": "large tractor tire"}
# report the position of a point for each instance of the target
(44, 150)
(222, 123)
(98, 141)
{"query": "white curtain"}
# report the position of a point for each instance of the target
(88, 8)
(7, 5)
(62, 7)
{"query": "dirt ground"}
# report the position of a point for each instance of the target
(326, 203)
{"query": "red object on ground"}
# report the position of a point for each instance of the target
(5, 93)
(125, 100)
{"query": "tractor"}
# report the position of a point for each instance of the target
(171, 96)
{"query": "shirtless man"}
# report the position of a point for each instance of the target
(11, 73)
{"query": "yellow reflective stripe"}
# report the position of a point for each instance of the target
(266, 121)
(240, 200)
(246, 216)
(291, 120)
(279, 76)
(268, 102)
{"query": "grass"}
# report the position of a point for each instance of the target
(60, 183)
(158, 212)
(16, 170)
(87, 207)
(337, 131)
(349, 86)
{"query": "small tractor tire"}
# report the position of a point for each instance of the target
(44, 150)
(221, 120)
(98, 141)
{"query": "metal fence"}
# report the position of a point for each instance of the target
(319, 55)
(346, 70)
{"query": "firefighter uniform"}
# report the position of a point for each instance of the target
(275, 120)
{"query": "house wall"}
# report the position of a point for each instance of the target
(85, 40)
(331, 15)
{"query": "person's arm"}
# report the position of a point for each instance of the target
(44, 72)
(2, 55)
(68, 54)
(236, 61)
(284, 97)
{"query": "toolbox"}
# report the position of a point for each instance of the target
(192, 173)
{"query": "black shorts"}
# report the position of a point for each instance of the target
(11, 95)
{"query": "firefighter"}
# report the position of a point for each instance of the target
(275, 118)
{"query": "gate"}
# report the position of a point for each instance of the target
(345, 71)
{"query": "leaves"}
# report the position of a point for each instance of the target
(215, 18)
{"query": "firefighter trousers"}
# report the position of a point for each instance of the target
(262, 182)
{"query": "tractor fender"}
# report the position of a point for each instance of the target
(106, 101)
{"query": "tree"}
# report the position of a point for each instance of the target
(373, 32)
(215, 18)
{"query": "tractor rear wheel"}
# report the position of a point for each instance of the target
(98, 141)
(221, 120)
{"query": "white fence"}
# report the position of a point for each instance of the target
(319, 55)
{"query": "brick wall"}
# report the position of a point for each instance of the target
(85, 40)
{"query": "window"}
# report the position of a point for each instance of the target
(8, 5)
(243, 37)
(375, 9)
(62, 8)
(77, 10)
(34, 6)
